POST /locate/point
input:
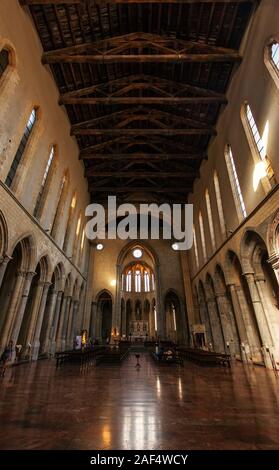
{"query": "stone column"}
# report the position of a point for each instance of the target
(93, 321)
(262, 321)
(99, 323)
(116, 308)
(88, 294)
(260, 283)
(21, 307)
(69, 330)
(74, 328)
(161, 323)
(12, 309)
(222, 303)
(40, 317)
(190, 312)
(64, 323)
(4, 261)
(54, 324)
(51, 309)
(124, 321)
(245, 348)
(215, 323)
(34, 313)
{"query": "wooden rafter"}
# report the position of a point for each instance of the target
(142, 156)
(141, 104)
(114, 88)
(145, 132)
(142, 174)
(121, 49)
(142, 189)
(127, 116)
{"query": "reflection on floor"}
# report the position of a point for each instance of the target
(120, 407)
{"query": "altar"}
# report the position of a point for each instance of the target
(139, 329)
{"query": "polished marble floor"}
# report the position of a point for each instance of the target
(120, 407)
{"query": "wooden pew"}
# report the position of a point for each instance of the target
(206, 358)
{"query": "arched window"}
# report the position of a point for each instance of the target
(275, 54)
(60, 204)
(45, 183)
(82, 240)
(202, 237)
(174, 316)
(196, 248)
(258, 146)
(146, 282)
(219, 205)
(236, 190)
(210, 220)
(153, 281)
(70, 217)
(271, 59)
(129, 281)
(253, 127)
(77, 237)
(155, 318)
(137, 281)
(4, 61)
(22, 146)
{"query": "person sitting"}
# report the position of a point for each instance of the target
(160, 353)
(6, 357)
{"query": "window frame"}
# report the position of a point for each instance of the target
(13, 184)
(269, 62)
(235, 184)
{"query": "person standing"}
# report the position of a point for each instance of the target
(6, 357)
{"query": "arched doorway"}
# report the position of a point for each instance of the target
(246, 321)
(104, 309)
(15, 284)
(8, 288)
(263, 291)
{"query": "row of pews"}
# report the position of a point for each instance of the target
(205, 358)
(97, 354)
(81, 357)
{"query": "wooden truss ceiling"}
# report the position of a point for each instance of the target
(143, 83)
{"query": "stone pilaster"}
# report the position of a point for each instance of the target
(40, 317)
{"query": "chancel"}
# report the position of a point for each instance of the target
(167, 339)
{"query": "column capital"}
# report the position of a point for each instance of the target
(248, 274)
(5, 259)
(30, 275)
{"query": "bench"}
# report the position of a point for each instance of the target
(207, 358)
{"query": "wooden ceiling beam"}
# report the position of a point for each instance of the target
(173, 87)
(91, 172)
(60, 57)
(133, 100)
(143, 156)
(145, 132)
(145, 189)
